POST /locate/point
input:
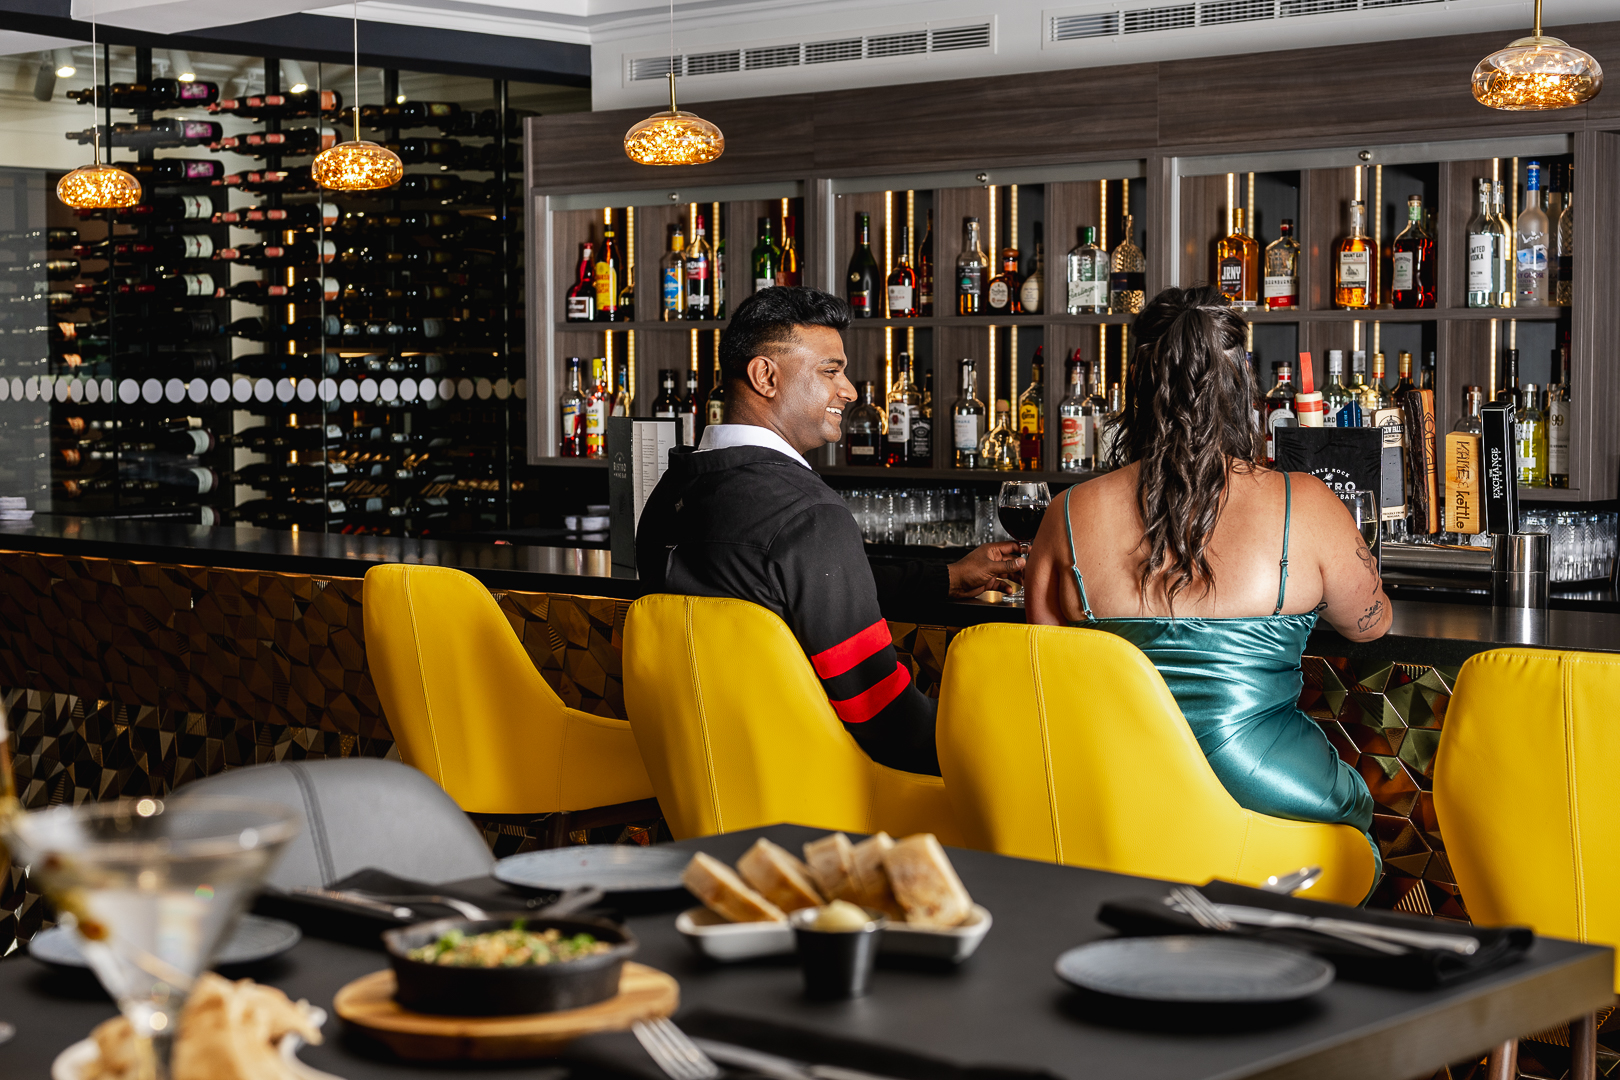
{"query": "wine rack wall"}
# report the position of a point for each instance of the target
(244, 346)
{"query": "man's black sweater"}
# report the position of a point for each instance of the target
(754, 524)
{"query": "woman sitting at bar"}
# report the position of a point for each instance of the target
(1215, 566)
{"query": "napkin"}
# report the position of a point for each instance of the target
(618, 1055)
(1419, 969)
(337, 921)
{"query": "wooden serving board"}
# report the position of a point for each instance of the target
(368, 1005)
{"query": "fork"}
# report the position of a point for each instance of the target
(673, 1052)
(1203, 912)
(1210, 917)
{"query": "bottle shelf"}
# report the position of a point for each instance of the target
(900, 475)
(1406, 315)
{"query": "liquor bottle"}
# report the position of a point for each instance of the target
(971, 265)
(597, 403)
(925, 269)
(1127, 278)
(861, 282)
(902, 283)
(1001, 293)
(699, 282)
(1564, 258)
(667, 405)
(787, 271)
(904, 404)
(1032, 416)
(1530, 245)
(605, 278)
(152, 94)
(1282, 270)
(1404, 384)
(1278, 409)
(689, 410)
(1094, 413)
(1470, 422)
(767, 257)
(1032, 293)
(1071, 425)
(622, 402)
(1335, 394)
(672, 272)
(1412, 261)
(1558, 435)
(998, 449)
(719, 272)
(1507, 268)
(967, 419)
(1350, 414)
(1530, 432)
(1086, 274)
(1486, 242)
(864, 429)
(1237, 259)
(921, 451)
(1357, 257)
(715, 406)
(1509, 389)
(627, 295)
(1376, 395)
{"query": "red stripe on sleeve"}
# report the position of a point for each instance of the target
(863, 706)
(830, 663)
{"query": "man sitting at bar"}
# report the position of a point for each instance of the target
(743, 515)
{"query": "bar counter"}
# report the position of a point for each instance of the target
(135, 656)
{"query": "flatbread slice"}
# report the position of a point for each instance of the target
(925, 882)
(871, 879)
(832, 864)
(723, 892)
(778, 876)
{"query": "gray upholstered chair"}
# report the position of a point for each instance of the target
(358, 813)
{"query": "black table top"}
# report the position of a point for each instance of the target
(1004, 1006)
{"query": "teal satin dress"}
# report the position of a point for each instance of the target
(1238, 683)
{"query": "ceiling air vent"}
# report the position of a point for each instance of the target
(952, 38)
(831, 52)
(652, 67)
(1149, 20)
(714, 63)
(1368, 5)
(1214, 12)
(1075, 27)
(882, 45)
(771, 56)
(1292, 8)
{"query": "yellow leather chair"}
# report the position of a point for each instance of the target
(1527, 793)
(736, 730)
(1065, 745)
(467, 706)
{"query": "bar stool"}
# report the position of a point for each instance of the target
(467, 706)
(1527, 794)
(737, 732)
(1065, 745)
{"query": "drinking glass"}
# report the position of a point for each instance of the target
(1020, 507)
(150, 890)
(1363, 507)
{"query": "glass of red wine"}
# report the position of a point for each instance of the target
(1020, 506)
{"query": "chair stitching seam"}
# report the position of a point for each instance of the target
(1046, 747)
(703, 719)
(1566, 677)
(421, 674)
(317, 823)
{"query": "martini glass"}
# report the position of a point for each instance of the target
(150, 891)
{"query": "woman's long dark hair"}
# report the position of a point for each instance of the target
(1188, 420)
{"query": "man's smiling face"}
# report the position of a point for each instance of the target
(813, 389)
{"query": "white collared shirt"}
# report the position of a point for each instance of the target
(725, 436)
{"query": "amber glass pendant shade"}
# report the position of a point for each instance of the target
(674, 137)
(1537, 72)
(98, 187)
(357, 166)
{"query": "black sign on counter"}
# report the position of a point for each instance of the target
(1345, 459)
(637, 454)
(1499, 472)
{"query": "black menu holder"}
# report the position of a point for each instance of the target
(637, 454)
(1345, 459)
(1499, 479)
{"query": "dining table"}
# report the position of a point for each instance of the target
(1003, 1010)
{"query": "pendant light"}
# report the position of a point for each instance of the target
(358, 165)
(96, 186)
(673, 137)
(1537, 72)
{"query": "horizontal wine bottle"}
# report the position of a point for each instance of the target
(152, 135)
(152, 94)
(284, 106)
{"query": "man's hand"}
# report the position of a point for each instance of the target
(988, 566)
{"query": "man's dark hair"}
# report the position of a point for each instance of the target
(768, 318)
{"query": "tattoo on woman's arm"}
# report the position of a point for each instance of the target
(1320, 608)
(1367, 560)
(1370, 616)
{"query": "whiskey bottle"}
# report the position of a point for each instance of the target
(864, 429)
(1127, 278)
(967, 417)
(970, 274)
(1281, 288)
(861, 283)
(667, 405)
(581, 298)
(1278, 409)
(921, 451)
(1403, 380)
(1001, 295)
(1032, 416)
(627, 295)
(1032, 293)
(1412, 261)
(766, 258)
(904, 408)
(1486, 241)
(925, 269)
(1238, 265)
(1357, 257)
(1071, 430)
(714, 411)
(1530, 245)
(902, 283)
(572, 427)
(672, 274)
(699, 279)
(1086, 275)
(787, 271)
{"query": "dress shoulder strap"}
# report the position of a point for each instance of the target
(1288, 513)
(1074, 564)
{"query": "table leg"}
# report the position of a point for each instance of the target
(1583, 1048)
(1503, 1063)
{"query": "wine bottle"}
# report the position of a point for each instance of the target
(298, 142)
(412, 114)
(164, 208)
(861, 282)
(152, 135)
(152, 94)
(285, 106)
(300, 251)
(925, 269)
(176, 170)
(429, 151)
(178, 248)
(262, 218)
(286, 181)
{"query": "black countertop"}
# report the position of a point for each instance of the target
(1424, 631)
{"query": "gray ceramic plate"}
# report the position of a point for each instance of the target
(1194, 969)
(255, 938)
(609, 867)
